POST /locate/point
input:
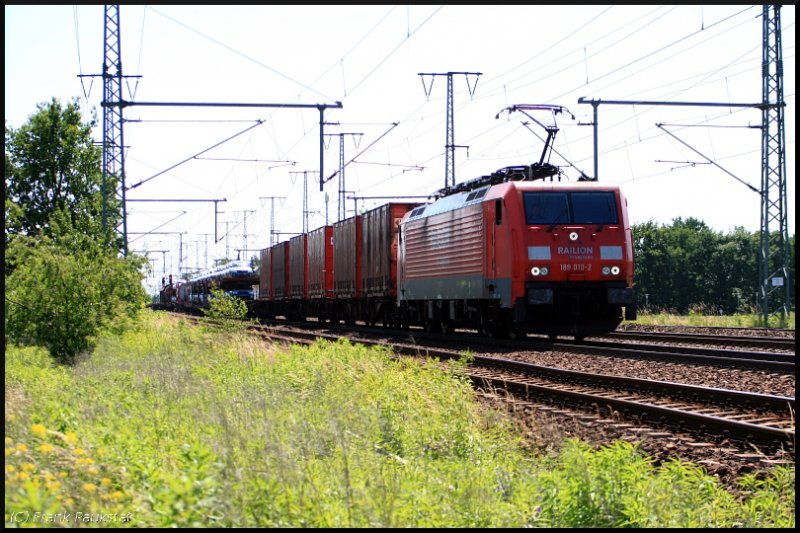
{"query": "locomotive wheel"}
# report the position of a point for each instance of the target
(496, 331)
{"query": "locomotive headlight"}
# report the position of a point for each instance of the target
(573, 236)
(545, 271)
(535, 271)
(606, 271)
(614, 270)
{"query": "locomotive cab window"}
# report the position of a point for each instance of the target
(596, 207)
(546, 208)
(498, 212)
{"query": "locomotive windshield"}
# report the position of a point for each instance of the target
(596, 207)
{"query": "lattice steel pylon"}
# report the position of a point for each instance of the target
(775, 284)
(449, 146)
(113, 156)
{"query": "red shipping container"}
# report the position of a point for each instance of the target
(265, 275)
(280, 271)
(298, 267)
(320, 263)
(347, 258)
(379, 249)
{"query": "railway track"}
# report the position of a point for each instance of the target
(748, 359)
(749, 341)
(747, 417)
(780, 362)
(738, 429)
(739, 415)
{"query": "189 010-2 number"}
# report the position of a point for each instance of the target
(576, 267)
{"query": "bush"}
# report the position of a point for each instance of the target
(227, 311)
(62, 298)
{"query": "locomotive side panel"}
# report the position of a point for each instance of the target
(445, 256)
(379, 249)
(320, 263)
(298, 267)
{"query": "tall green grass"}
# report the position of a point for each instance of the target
(173, 425)
(723, 321)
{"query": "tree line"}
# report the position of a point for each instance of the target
(687, 266)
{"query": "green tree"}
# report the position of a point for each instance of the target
(686, 265)
(735, 272)
(52, 164)
(653, 267)
(66, 288)
(65, 281)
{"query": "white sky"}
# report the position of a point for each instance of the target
(369, 58)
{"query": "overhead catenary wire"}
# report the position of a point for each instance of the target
(421, 123)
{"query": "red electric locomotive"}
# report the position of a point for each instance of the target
(510, 255)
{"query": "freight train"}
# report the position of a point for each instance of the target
(506, 254)
(235, 278)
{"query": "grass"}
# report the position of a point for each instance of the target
(173, 425)
(724, 321)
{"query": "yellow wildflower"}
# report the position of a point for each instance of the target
(93, 471)
(105, 482)
(46, 447)
(79, 451)
(22, 448)
(9, 440)
(8, 451)
(70, 437)
(39, 430)
(63, 475)
(116, 495)
(28, 467)
(23, 476)
(10, 468)
(90, 488)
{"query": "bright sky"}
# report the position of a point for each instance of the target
(369, 59)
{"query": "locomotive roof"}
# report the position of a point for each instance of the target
(462, 199)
